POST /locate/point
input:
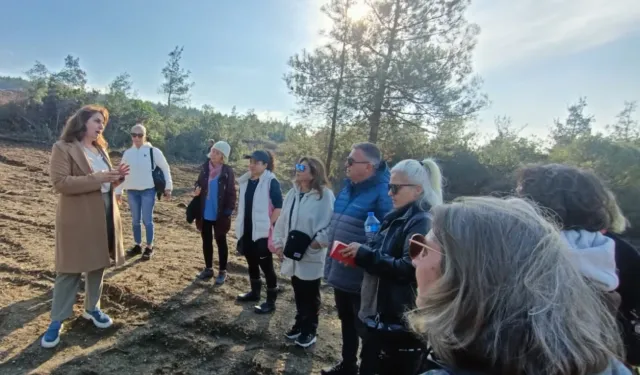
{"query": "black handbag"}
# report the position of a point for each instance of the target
(297, 241)
(193, 210)
(159, 181)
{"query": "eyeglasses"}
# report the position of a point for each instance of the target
(351, 161)
(137, 135)
(418, 244)
(395, 188)
(301, 167)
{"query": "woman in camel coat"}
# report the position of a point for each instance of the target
(88, 226)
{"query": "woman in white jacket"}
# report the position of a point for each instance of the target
(307, 208)
(140, 188)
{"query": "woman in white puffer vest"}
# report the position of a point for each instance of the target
(302, 228)
(260, 201)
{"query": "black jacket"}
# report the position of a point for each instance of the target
(628, 264)
(388, 258)
(226, 197)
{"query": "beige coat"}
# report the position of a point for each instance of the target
(81, 224)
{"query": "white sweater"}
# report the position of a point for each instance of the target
(312, 216)
(139, 160)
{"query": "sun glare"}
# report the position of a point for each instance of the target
(358, 11)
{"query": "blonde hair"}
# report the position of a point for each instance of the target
(619, 222)
(139, 127)
(426, 174)
(509, 300)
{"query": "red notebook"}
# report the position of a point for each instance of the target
(335, 254)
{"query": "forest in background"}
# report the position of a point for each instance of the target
(400, 76)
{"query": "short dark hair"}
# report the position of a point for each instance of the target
(370, 151)
(576, 198)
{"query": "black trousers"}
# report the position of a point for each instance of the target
(399, 353)
(259, 257)
(308, 300)
(348, 305)
(208, 234)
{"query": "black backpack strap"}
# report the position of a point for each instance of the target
(291, 212)
(153, 165)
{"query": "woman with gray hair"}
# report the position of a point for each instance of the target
(389, 284)
(498, 294)
(142, 157)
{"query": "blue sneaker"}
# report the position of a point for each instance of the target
(100, 319)
(51, 337)
(222, 277)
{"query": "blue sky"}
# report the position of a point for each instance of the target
(535, 56)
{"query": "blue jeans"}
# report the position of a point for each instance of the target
(141, 203)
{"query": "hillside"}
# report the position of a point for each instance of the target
(165, 322)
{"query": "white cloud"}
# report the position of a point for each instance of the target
(314, 21)
(513, 31)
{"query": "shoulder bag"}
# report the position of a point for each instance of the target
(297, 242)
(159, 181)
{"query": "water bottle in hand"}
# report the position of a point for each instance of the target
(371, 226)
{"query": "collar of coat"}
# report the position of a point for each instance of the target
(267, 175)
(406, 212)
(76, 150)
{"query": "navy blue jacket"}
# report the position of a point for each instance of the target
(347, 225)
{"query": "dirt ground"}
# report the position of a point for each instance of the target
(165, 322)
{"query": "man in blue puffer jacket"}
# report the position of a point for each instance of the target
(365, 190)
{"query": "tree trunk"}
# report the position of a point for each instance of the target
(336, 102)
(383, 73)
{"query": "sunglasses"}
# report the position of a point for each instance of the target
(301, 167)
(418, 245)
(137, 135)
(351, 161)
(395, 188)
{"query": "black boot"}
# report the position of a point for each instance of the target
(269, 306)
(341, 369)
(254, 294)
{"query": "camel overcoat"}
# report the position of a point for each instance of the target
(81, 222)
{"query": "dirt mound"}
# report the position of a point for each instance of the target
(165, 322)
(8, 96)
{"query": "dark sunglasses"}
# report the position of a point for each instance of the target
(395, 188)
(351, 161)
(137, 135)
(301, 167)
(418, 245)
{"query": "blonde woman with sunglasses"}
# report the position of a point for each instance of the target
(141, 193)
(389, 284)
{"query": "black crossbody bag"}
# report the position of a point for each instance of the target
(297, 242)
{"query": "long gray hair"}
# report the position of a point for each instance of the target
(425, 174)
(509, 299)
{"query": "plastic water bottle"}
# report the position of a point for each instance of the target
(371, 226)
